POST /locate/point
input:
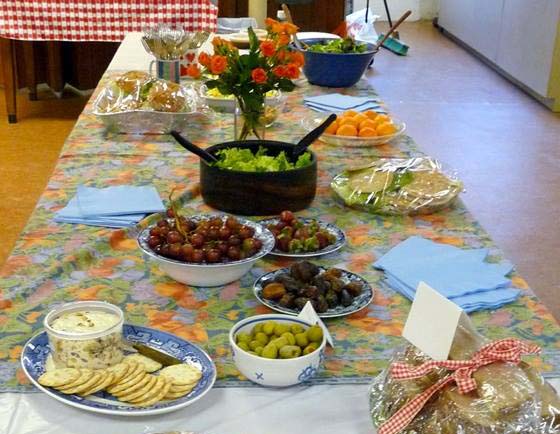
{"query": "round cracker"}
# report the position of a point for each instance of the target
(123, 385)
(150, 365)
(156, 398)
(138, 385)
(175, 395)
(134, 374)
(119, 371)
(181, 375)
(140, 393)
(106, 379)
(85, 376)
(179, 389)
(160, 382)
(59, 377)
(87, 385)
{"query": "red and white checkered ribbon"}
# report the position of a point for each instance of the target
(99, 20)
(505, 350)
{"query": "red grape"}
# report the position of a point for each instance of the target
(162, 223)
(222, 247)
(234, 240)
(175, 237)
(213, 255)
(213, 234)
(287, 216)
(257, 243)
(175, 250)
(233, 253)
(246, 232)
(224, 233)
(170, 213)
(154, 241)
(155, 231)
(232, 223)
(198, 256)
(197, 240)
(187, 252)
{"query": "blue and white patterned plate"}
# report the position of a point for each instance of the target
(340, 238)
(36, 351)
(358, 303)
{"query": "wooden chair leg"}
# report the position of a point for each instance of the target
(9, 65)
(30, 76)
(55, 66)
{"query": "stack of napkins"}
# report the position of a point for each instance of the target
(461, 275)
(337, 102)
(112, 207)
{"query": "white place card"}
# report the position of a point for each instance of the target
(432, 322)
(308, 314)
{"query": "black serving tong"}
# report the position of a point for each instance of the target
(313, 135)
(189, 146)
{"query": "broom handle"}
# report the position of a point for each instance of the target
(387, 12)
(393, 28)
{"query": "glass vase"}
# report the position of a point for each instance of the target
(249, 123)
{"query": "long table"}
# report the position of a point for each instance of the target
(57, 263)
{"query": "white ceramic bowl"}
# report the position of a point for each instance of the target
(209, 274)
(274, 372)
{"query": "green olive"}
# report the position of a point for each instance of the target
(290, 352)
(279, 329)
(268, 327)
(270, 351)
(279, 342)
(310, 348)
(289, 337)
(259, 350)
(244, 346)
(296, 329)
(254, 344)
(258, 328)
(315, 334)
(262, 338)
(243, 337)
(301, 339)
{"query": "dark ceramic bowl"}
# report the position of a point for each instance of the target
(334, 69)
(258, 193)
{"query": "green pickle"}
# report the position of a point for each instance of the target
(290, 352)
(268, 328)
(270, 351)
(315, 334)
(289, 337)
(301, 340)
(280, 329)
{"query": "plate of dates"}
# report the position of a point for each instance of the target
(333, 292)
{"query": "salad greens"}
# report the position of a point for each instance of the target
(339, 46)
(243, 159)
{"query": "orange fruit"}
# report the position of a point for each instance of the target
(385, 129)
(367, 132)
(348, 121)
(360, 117)
(331, 129)
(370, 114)
(349, 113)
(379, 119)
(347, 130)
(368, 123)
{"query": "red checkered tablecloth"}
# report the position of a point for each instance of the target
(99, 20)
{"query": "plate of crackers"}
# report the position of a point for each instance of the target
(136, 386)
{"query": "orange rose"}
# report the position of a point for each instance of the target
(284, 39)
(269, 22)
(267, 48)
(204, 59)
(290, 28)
(297, 58)
(218, 64)
(259, 75)
(193, 71)
(282, 55)
(279, 71)
(292, 70)
(217, 41)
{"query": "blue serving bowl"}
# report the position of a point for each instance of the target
(333, 69)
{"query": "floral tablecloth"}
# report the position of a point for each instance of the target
(56, 263)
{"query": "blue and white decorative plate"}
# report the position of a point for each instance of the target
(36, 350)
(340, 238)
(358, 303)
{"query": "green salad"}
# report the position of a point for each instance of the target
(243, 159)
(339, 46)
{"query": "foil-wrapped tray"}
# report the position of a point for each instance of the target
(137, 103)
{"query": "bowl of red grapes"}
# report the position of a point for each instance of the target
(205, 250)
(300, 237)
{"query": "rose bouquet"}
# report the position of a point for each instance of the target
(269, 65)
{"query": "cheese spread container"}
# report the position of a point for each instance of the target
(85, 334)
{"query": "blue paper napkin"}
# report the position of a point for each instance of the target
(459, 274)
(339, 101)
(119, 200)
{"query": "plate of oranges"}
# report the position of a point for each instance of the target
(355, 129)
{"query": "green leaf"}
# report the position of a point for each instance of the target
(253, 40)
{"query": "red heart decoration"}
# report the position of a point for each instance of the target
(190, 57)
(183, 70)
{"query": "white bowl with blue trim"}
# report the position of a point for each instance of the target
(274, 372)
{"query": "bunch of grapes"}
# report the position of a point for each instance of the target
(207, 241)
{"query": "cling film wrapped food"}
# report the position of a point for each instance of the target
(138, 102)
(398, 186)
(508, 398)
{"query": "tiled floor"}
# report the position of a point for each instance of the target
(505, 146)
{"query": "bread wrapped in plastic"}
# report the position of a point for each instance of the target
(398, 186)
(509, 398)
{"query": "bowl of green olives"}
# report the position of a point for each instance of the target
(277, 350)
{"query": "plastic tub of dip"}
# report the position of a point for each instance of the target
(85, 334)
